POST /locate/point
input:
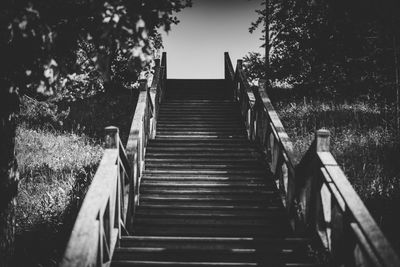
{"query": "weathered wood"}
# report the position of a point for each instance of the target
(82, 247)
(322, 138)
(112, 197)
(318, 194)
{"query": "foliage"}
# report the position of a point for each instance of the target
(339, 47)
(43, 114)
(39, 38)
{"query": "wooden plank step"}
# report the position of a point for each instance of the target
(261, 255)
(175, 263)
(276, 230)
(201, 101)
(201, 132)
(197, 183)
(214, 117)
(176, 242)
(207, 200)
(211, 196)
(208, 221)
(195, 175)
(211, 155)
(200, 128)
(202, 264)
(171, 118)
(196, 136)
(200, 124)
(183, 160)
(245, 166)
(208, 213)
(205, 181)
(226, 142)
(195, 191)
(216, 206)
(205, 172)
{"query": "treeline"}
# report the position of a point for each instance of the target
(330, 47)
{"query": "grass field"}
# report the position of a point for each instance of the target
(364, 143)
(55, 169)
(59, 146)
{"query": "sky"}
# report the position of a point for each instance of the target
(195, 47)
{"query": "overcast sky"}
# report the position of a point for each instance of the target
(195, 47)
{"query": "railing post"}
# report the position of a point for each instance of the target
(226, 55)
(111, 137)
(164, 63)
(322, 138)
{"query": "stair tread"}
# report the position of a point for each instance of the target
(205, 196)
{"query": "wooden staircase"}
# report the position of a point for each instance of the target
(206, 197)
(208, 178)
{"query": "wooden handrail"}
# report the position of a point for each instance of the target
(317, 195)
(100, 221)
(109, 206)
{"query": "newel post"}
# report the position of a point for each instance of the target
(322, 138)
(111, 136)
(226, 56)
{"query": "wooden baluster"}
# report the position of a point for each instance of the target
(142, 136)
(164, 64)
(155, 97)
(100, 247)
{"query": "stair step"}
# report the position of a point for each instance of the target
(124, 263)
(260, 255)
(175, 263)
(208, 176)
(195, 191)
(219, 142)
(175, 242)
(199, 129)
(211, 155)
(276, 230)
(196, 136)
(215, 133)
(206, 213)
(215, 206)
(196, 183)
(183, 160)
(212, 196)
(244, 166)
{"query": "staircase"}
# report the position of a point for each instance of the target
(206, 197)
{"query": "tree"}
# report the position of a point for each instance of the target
(38, 41)
(338, 47)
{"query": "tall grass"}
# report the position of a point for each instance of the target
(58, 147)
(55, 169)
(364, 143)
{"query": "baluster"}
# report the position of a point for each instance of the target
(100, 247)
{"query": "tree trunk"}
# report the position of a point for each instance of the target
(8, 174)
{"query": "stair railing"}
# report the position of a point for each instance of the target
(109, 206)
(317, 195)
